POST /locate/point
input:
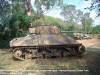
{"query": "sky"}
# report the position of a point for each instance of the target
(80, 4)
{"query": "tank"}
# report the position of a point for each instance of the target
(45, 41)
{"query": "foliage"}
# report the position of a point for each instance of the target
(44, 5)
(14, 21)
(4, 10)
(95, 4)
(47, 20)
(73, 17)
(19, 23)
(87, 23)
(15, 26)
(68, 11)
(96, 29)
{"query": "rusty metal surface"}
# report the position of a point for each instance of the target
(36, 40)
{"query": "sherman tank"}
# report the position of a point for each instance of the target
(45, 41)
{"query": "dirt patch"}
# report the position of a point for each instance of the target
(91, 42)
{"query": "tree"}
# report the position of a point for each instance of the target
(86, 23)
(13, 18)
(40, 5)
(5, 13)
(68, 11)
(71, 16)
(4, 10)
(44, 5)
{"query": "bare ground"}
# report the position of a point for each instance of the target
(90, 61)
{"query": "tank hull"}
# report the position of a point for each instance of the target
(44, 44)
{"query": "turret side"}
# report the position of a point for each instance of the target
(45, 30)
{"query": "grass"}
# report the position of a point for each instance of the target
(90, 61)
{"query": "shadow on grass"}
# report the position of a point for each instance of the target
(93, 63)
(4, 44)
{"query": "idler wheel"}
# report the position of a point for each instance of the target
(72, 51)
(28, 55)
(81, 50)
(18, 55)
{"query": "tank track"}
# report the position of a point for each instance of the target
(22, 53)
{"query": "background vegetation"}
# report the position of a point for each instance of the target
(14, 21)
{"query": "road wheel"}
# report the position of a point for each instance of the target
(44, 54)
(72, 51)
(62, 54)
